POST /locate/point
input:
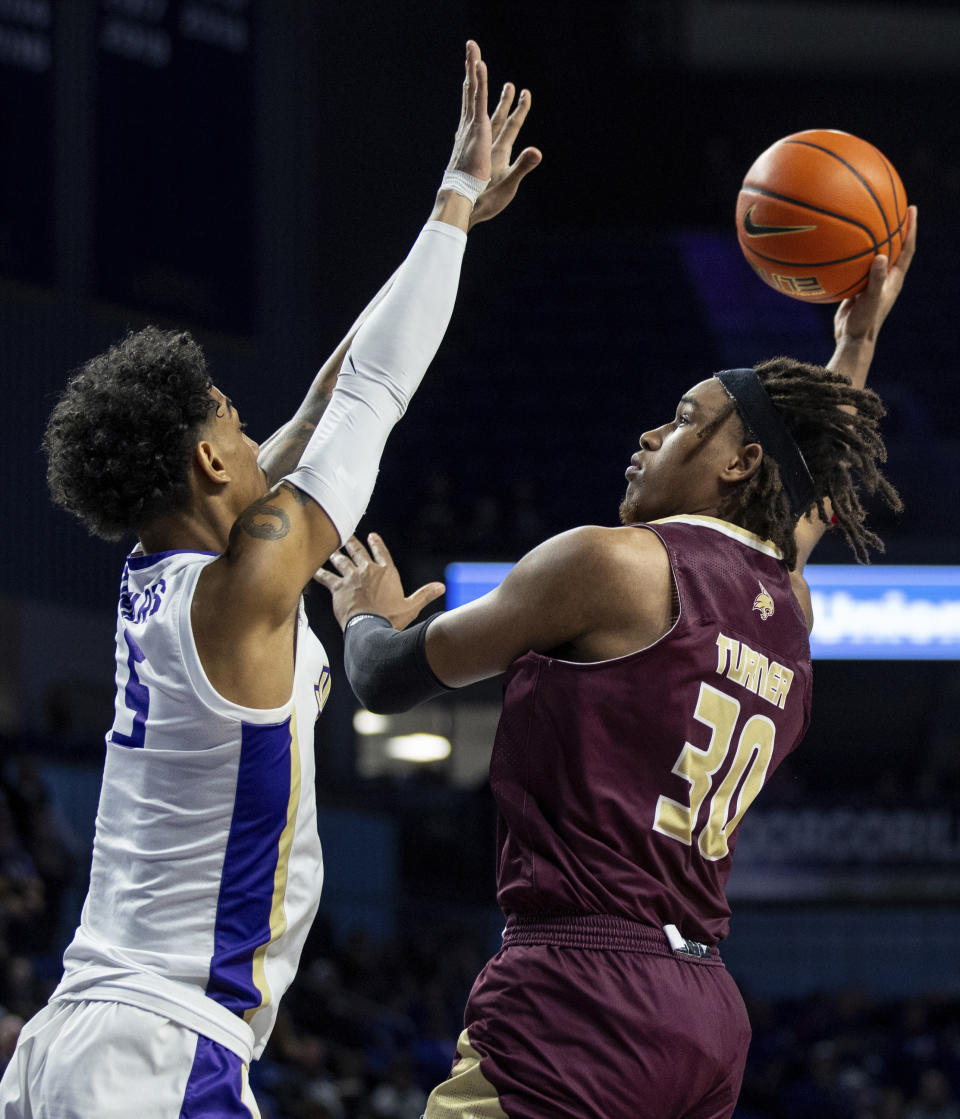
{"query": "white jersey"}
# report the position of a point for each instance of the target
(207, 866)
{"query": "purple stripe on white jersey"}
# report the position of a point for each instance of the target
(215, 1086)
(253, 847)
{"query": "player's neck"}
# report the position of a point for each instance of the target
(185, 532)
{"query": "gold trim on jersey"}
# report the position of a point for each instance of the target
(466, 1093)
(278, 915)
(246, 1096)
(734, 532)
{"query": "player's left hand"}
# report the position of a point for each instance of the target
(369, 583)
(859, 319)
(505, 177)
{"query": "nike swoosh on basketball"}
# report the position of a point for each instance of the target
(753, 230)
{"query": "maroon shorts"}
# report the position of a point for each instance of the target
(594, 1016)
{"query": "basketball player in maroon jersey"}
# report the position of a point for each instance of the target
(656, 675)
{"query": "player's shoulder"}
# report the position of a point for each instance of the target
(596, 549)
(606, 573)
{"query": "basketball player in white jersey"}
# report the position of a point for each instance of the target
(207, 866)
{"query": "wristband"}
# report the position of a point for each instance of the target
(469, 186)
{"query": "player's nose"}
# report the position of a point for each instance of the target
(650, 440)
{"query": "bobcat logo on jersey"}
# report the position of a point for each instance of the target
(763, 603)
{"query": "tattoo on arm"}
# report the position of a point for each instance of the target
(298, 495)
(264, 520)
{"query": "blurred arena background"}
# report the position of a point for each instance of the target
(252, 170)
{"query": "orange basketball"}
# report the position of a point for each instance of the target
(814, 210)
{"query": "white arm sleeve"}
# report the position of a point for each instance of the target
(381, 371)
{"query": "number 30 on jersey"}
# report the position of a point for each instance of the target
(748, 770)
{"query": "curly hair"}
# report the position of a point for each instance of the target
(836, 427)
(119, 439)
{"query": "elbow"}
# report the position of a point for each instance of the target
(387, 668)
(378, 697)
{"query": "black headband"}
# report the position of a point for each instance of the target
(765, 424)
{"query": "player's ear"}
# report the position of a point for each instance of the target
(207, 461)
(743, 463)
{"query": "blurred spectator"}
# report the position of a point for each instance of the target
(369, 1027)
(45, 838)
(398, 1096)
(889, 1105)
(21, 889)
(847, 1056)
(10, 1027)
(935, 1098)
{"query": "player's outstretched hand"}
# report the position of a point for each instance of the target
(474, 138)
(859, 319)
(369, 583)
(505, 177)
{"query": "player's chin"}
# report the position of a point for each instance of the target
(630, 510)
(641, 503)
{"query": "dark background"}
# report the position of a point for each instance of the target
(254, 170)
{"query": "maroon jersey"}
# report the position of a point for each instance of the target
(620, 784)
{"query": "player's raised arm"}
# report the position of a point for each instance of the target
(279, 539)
(856, 325)
(280, 453)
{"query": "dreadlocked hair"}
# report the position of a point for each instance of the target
(836, 427)
(119, 439)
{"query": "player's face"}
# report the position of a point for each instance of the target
(237, 450)
(679, 464)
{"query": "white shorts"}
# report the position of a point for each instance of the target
(106, 1060)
